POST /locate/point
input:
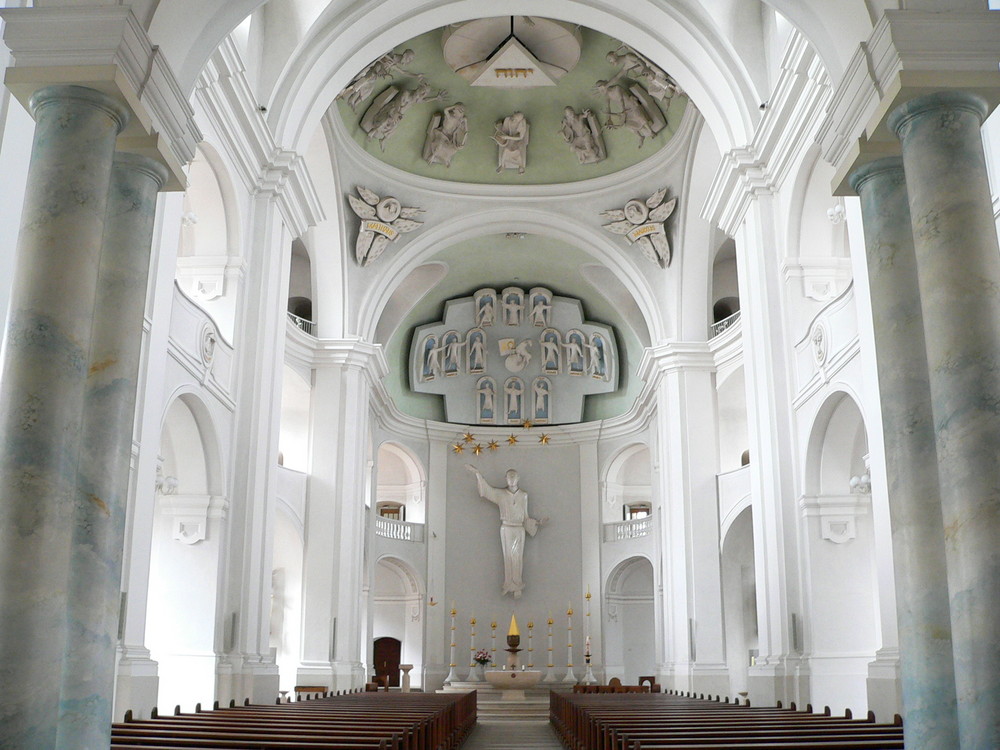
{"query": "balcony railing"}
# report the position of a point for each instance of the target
(632, 529)
(725, 323)
(390, 528)
(301, 323)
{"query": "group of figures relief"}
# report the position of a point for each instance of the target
(633, 96)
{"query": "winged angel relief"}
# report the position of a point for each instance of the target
(382, 221)
(642, 224)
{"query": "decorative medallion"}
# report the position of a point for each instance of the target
(382, 221)
(642, 223)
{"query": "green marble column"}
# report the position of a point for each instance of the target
(922, 607)
(42, 386)
(85, 705)
(958, 266)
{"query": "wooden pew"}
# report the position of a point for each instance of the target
(667, 722)
(356, 721)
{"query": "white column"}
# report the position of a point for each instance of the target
(246, 668)
(778, 673)
(436, 540)
(688, 459)
(345, 372)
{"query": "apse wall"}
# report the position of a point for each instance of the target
(552, 559)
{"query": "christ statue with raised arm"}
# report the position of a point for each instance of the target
(514, 521)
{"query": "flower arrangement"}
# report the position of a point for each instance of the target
(481, 657)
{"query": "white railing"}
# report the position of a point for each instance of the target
(633, 529)
(725, 323)
(390, 528)
(302, 323)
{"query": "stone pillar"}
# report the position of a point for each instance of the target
(928, 676)
(332, 607)
(44, 377)
(958, 267)
(105, 455)
(688, 450)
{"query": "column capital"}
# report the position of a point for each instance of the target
(675, 356)
(105, 48)
(909, 53)
(264, 167)
(352, 353)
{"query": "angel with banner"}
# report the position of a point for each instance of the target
(642, 224)
(382, 221)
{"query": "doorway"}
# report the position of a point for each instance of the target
(387, 652)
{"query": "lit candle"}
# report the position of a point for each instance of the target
(513, 627)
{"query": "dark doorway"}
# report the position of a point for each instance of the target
(387, 652)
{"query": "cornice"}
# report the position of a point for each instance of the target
(105, 48)
(675, 356)
(264, 168)
(784, 132)
(909, 53)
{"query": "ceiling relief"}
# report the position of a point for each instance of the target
(382, 221)
(642, 225)
(512, 100)
(512, 357)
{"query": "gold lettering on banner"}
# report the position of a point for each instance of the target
(381, 228)
(513, 72)
(644, 230)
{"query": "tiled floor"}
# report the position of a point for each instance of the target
(507, 735)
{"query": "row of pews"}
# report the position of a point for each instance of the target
(355, 721)
(651, 721)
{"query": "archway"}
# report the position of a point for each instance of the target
(841, 634)
(629, 629)
(185, 559)
(398, 613)
(628, 487)
(399, 488)
(739, 592)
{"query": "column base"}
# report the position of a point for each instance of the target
(885, 688)
(137, 683)
(784, 679)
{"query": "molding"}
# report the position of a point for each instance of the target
(837, 514)
(265, 168)
(105, 48)
(909, 53)
(823, 278)
(672, 357)
(784, 132)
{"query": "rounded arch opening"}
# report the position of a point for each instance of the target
(628, 485)
(397, 614)
(630, 624)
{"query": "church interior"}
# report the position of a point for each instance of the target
(338, 334)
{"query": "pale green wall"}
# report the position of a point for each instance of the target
(549, 158)
(494, 261)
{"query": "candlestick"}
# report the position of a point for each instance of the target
(531, 656)
(452, 676)
(549, 674)
(493, 643)
(588, 678)
(473, 664)
(570, 677)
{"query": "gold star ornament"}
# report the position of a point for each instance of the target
(458, 448)
(543, 439)
(468, 437)
(527, 424)
(477, 449)
(493, 445)
(512, 440)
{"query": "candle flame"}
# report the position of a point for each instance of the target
(513, 627)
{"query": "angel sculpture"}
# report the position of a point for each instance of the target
(642, 224)
(382, 221)
(362, 85)
(388, 108)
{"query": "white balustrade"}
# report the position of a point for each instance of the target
(390, 528)
(631, 529)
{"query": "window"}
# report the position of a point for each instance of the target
(388, 509)
(636, 510)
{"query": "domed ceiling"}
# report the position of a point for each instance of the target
(512, 100)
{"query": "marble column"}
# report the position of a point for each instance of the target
(923, 618)
(105, 455)
(44, 378)
(958, 267)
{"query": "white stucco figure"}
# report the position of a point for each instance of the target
(511, 135)
(632, 109)
(477, 353)
(486, 313)
(382, 221)
(364, 82)
(550, 355)
(642, 224)
(583, 134)
(514, 521)
(540, 388)
(485, 396)
(447, 133)
(514, 399)
(512, 306)
(453, 355)
(540, 312)
(633, 65)
(386, 111)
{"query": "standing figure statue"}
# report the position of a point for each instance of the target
(514, 521)
(511, 136)
(447, 133)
